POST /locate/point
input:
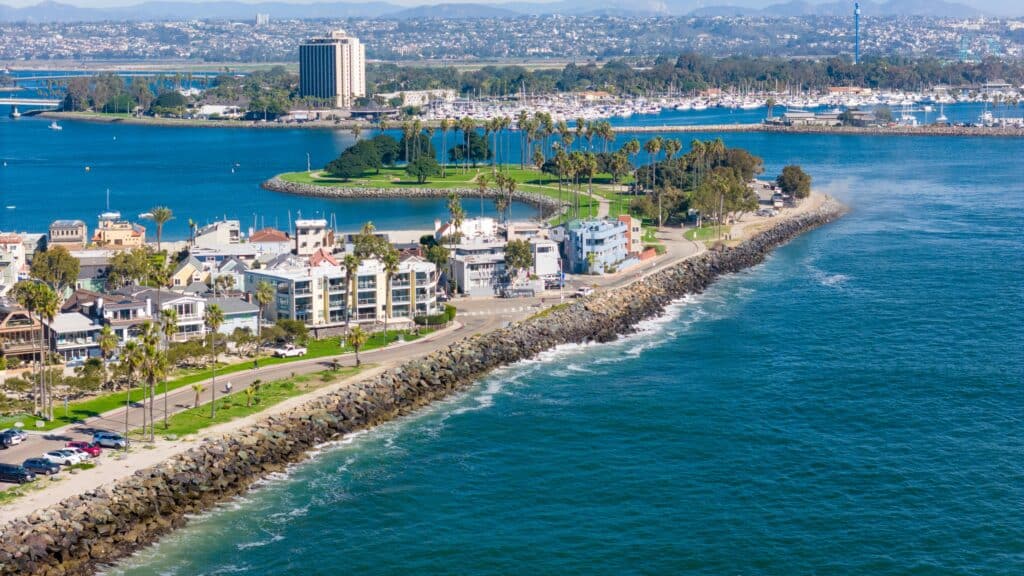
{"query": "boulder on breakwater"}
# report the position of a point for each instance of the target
(546, 204)
(85, 532)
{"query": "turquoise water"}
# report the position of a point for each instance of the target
(852, 406)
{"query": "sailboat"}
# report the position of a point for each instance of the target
(942, 116)
(54, 126)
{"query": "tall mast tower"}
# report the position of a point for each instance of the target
(856, 33)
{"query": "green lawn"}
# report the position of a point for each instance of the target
(235, 406)
(95, 406)
(706, 233)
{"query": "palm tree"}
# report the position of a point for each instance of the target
(169, 327)
(467, 125)
(457, 215)
(357, 339)
(213, 318)
(770, 103)
(356, 131)
(351, 265)
(250, 394)
(390, 262)
(446, 125)
(264, 296)
(154, 367)
(198, 388)
(632, 148)
(132, 358)
(510, 187)
(47, 306)
(652, 147)
(481, 187)
(160, 215)
(108, 344)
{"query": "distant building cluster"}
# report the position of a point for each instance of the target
(264, 39)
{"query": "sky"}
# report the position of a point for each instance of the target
(993, 6)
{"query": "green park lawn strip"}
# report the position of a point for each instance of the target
(238, 405)
(95, 406)
(706, 233)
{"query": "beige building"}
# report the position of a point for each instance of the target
(333, 68)
(113, 232)
(312, 235)
(71, 234)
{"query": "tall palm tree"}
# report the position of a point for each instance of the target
(652, 147)
(351, 265)
(108, 344)
(481, 187)
(264, 296)
(154, 367)
(131, 358)
(213, 319)
(632, 148)
(47, 307)
(390, 262)
(510, 188)
(160, 215)
(457, 215)
(357, 339)
(446, 125)
(198, 388)
(467, 125)
(25, 293)
(168, 328)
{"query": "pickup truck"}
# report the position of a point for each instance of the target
(584, 292)
(290, 351)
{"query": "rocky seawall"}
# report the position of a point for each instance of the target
(86, 532)
(547, 204)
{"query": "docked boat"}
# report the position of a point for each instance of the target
(15, 114)
(54, 126)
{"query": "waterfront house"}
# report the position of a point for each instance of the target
(19, 333)
(270, 241)
(217, 234)
(594, 246)
(114, 232)
(191, 308)
(238, 314)
(73, 336)
(13, 265)
(634, 234)
(93, 269)
(71, 234)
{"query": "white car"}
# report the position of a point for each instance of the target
(584, 292)
(82, 454)
(63, 457)
(16, 436)
(290, 351)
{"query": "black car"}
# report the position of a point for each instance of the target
(41, 466)
(16, 474)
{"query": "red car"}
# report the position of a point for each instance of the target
(93, 450)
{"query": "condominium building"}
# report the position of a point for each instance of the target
(321, 295)
(71, 234)
(333, 68)
(594, 246)
(312, 235)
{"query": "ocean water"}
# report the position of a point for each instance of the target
(854, 405)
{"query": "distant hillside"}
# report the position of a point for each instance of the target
(50, 11)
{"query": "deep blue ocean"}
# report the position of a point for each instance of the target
(854, 405)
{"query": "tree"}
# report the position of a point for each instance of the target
(132, 358)
(438, 255)
(422, 168)
(264, 296)
(40, 299)
(198, 388)
(794, 181)
(478, 149)
(351, 265)
(446, 125)
(770, 103)
(108, 344)
(250, 395)
(652, 147)
(213, 319)
(518, 256)
(56, 267)
(883, 113)
(357, 338)
(154, 367)
(390, 262)
(160, 215)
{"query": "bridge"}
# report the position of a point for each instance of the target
(28, 103)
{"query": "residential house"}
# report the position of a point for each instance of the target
(13, 265)
(270, 241)
(217, 234)
(547, 262)
(93, 269)
(634, 234)
(594, 246)
(73, 336)
(188, 271)
(115, 232)
(237, 314)
(19, 333)
(71, 234)
(191, 308)
(312, 235)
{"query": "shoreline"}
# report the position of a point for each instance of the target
(84, 532)
(927, 130)
(547, 205)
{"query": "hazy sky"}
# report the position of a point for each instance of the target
(993, 6)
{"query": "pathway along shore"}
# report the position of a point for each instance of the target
(83, 533)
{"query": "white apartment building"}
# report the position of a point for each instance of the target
(321, 295)
(12, 261)
(311, 236)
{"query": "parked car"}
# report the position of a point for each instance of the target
(82, 454)
(109, 440)
(290, 351)
(41, 466)
(6, 441)
(584, 292)
(17, 436)
(16, 474)
(63, 457)
(91, 448)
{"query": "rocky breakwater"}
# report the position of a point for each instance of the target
(86, 532)
(546, 204)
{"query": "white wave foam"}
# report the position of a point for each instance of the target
(259, 543)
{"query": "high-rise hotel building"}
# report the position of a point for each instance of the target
(333, 68)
